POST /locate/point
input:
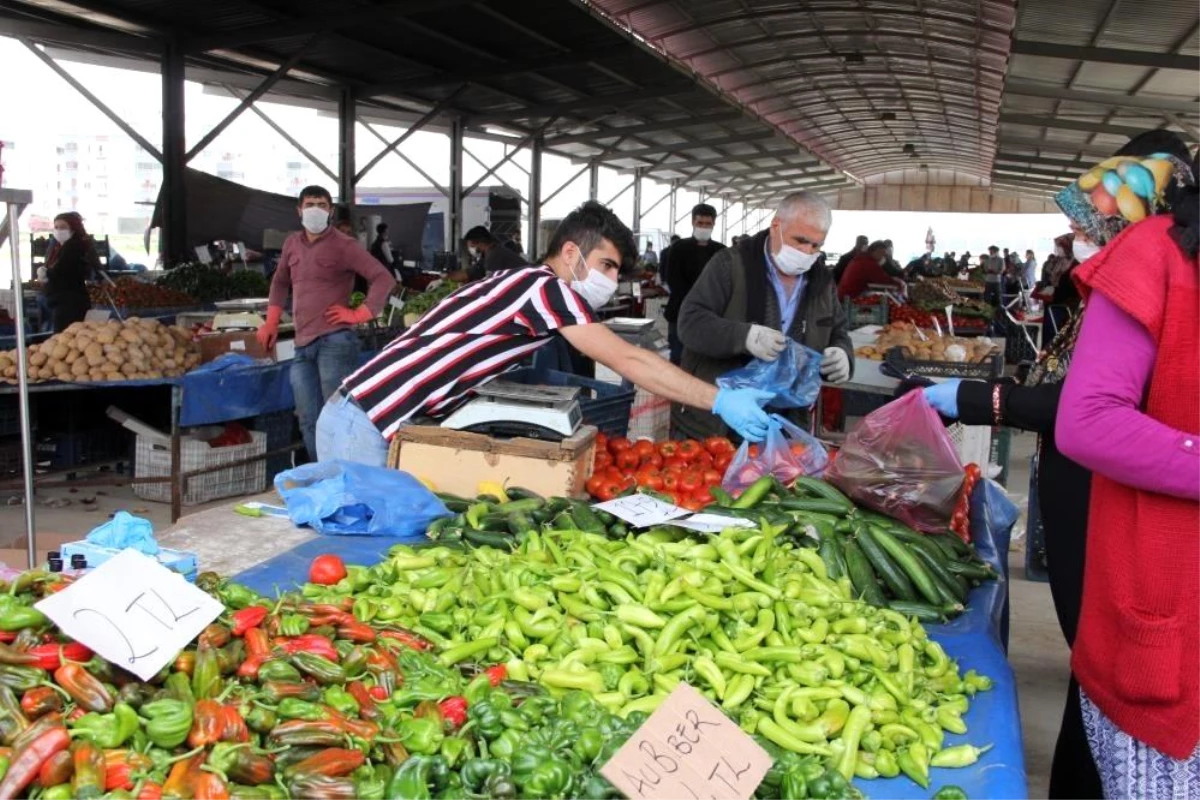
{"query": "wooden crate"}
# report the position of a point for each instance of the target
(456, 461)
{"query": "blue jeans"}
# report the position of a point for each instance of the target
(318, 369)
(346, 433)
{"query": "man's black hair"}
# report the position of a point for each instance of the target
(675, 237)
(703, 210)
(860, 239)
(877, 246)
(478, 234)
(314, 191)
(381, 227)
(993, 249)
(589, 225)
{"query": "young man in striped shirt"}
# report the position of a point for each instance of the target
(488, 327)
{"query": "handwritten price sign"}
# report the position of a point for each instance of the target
(133, 611)
(688, 749)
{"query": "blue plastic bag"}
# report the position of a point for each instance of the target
(794, 377)
(341, 497)
(125, 530)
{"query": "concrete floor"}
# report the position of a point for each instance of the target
(1037, 652)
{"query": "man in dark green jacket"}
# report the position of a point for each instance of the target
(752, 298)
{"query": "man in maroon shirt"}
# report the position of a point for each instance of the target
(318, 266)
(864, 270)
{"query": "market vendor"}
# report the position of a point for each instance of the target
(865, 270)
(318, 266)
(488, 327)
(67, 271)
(492, 255)
(755, 297)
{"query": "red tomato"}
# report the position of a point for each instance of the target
(754, 451)
(689, 449)
(601, 441)
(649, 479)
(326, 569)
(628, 460)
(722, 462)
(608, 491)
(644, 448)
(703, 460)
(670, 482)
(668, 449)
(613, 474)
(703, 496)
(619, 443)
(711, 477)
(718, 445)
(593, 484)
(675, 461)
(690, 482)
(653, 460)
(799, 449)
(690, 503)
(603, 459)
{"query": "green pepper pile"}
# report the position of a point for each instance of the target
(749, 617)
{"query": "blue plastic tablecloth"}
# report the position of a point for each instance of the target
(974, 640)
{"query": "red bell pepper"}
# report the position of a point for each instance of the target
(51, 656)
(257, 641)
(249, 667)
(311, 643)
(454, 710)
(366, 700)
(249, 617)
(39, 701)
(84, 688)
(357, 632)
(497, 674)
(380, 693)
(151, 791)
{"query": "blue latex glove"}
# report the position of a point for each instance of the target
(944, 397)
(741, 409)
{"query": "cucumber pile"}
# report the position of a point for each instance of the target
(889, 564)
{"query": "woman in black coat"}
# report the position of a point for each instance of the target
(68, 269)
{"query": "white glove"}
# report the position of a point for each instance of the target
(835, 365)
(765, 343)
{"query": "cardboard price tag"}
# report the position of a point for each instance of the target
(133, 611)
(642, 510)
(688, 749)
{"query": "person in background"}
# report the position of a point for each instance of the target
(993, 274)
(381, 248)
(753, 300)
(317, 266)
(964, 264)
(1063, 485)
(866, 269)
(663, 255)
(513, 243)
(1130, 412)
(688, 259)
(839, 269)
(489, 327)
(650, 257)
(345, 226)
(493, 256)
(890, 265)
(920, 267)
(1030, 273)
(67, 271)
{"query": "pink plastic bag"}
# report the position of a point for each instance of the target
(787, 453)
(900, 461)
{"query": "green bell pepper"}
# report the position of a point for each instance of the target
(421, 735)
(108, 731)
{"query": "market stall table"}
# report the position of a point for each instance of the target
(270, 555)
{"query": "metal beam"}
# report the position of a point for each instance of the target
(95, 101)
(1056, 146)
(417, 167)
(779, 155)
(695, 145)
(1068, 124)
(347, 117)
(64, 34)
(655, 204)
(650, 127)
(671, 208)
(593, 180)
(172, 193)
(488, 72)
(429, 115)
(1182, 123)
(565, 184)
(527, 140)
(520, 195)
(637, 199)
(1106, 55)
(344, 18)
(1030, 89)
(1062, 163)
(456, 188)
(259, 91)
(535, 197)
(287, 136)
(617, 100)
(616, 196)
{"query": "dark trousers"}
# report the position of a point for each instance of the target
(675, 344)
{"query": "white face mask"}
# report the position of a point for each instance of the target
(701, 234)
(315, 220)
(595, 288)
(793, 261)
(62, 234)
(473, 251)
(1082, 249)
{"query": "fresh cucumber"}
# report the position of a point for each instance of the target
(942, 542)
(937, 569)
(819, 488)
(925, 612)
(820, 505)
(861, 574)
(453, 503)
(586, 519)
(500, 541)
(521, 493)
(895, 579)
(976, 572)
(831, 555)
(524, 505)
(519, 524)
(904, 556)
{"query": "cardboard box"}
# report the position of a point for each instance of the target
(214, 345)
(457, 461)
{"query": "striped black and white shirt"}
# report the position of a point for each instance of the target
(481, 331)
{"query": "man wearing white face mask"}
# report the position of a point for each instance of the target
(753, 299)
(684, 265)
(490, 326)
(318, 266)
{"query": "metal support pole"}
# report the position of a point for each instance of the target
(467, 152)
(176, 447)
(533, 246)
(593, 181)
(455, 229)
(347, 119)
(527, 140)
(671, 212)
(637, 200)
(173, 195)
(617, 196)
(724, 219)
(15, 201)
(429, 115)
(316, 162)
(564, 185)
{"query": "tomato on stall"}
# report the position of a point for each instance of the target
(682, 471)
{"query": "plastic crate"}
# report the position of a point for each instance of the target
(603, 405)
(80, 448)
(858, 316)
(991, 367)
(1017, 347)
(153, 460)
(279, 427)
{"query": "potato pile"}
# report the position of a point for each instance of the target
(926, 345)
(107, 351)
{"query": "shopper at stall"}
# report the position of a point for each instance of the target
(1130, 412)
(492, 255)
(687, 262)
(1063, 486)
(317, 266)
(754, 298)
(67, 271)
(650, 257)
(993, 275)
(381, 248)
(866, 270)
(860, 247)
(488, 327)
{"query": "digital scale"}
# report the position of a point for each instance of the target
(505, 408)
